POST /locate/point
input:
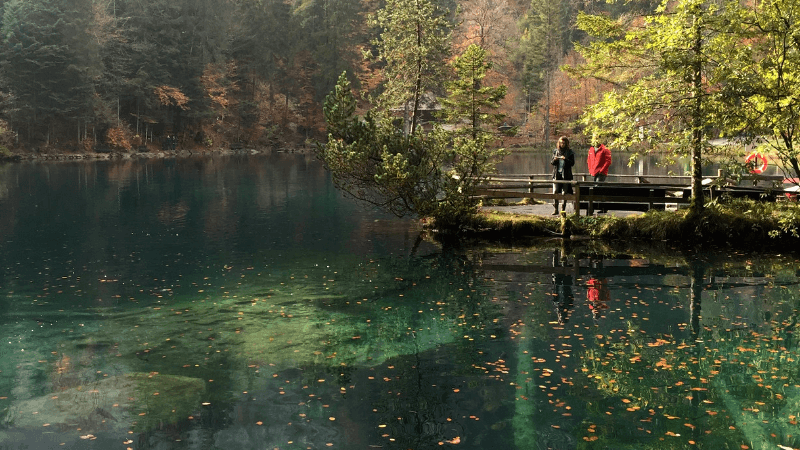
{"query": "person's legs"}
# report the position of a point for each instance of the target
(566, 189)
(599, 178)
(556, 190)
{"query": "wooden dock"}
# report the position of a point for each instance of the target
(627, 192)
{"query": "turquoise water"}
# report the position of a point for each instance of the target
(243, 302)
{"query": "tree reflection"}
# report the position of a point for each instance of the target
(721, 387)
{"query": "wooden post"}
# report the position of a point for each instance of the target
(576, 189)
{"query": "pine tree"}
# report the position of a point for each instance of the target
(541, 50)
(40, 67)
(470, 105)
(414, 45)
(329, 33)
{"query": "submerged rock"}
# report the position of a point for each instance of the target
(135, 402)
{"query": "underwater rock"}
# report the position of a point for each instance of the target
(136, 402)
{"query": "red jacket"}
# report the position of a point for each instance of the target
(599, 160)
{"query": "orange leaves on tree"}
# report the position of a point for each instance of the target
(215, 80)
(119, 138)
(169, 95)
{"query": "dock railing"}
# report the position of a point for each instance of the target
(627, 192)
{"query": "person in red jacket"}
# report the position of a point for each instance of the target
(599, 160)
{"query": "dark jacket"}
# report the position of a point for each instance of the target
(569, 161)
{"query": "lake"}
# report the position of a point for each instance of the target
(241, 302)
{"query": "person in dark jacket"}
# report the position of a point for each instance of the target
(562, 162)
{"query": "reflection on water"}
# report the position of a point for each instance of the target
(243, 303)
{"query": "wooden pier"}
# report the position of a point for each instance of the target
(629, 192)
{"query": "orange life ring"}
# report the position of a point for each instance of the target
(752, 157)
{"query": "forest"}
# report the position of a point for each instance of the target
(132, 75)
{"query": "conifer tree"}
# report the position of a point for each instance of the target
(330, 32)
(541, 50)
(40, 67)
(414, 44)
(470, 105)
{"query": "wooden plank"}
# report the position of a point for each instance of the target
(499, 193)
(512, 186)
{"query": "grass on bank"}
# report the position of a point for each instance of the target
(740, 223)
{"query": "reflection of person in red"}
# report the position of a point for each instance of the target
(597, 296)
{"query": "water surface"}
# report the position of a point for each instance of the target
(243, 302)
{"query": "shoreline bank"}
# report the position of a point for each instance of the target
(31, 156)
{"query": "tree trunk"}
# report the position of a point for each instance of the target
(417, 83)
(696, 205)
(137, 115)
(547, 111)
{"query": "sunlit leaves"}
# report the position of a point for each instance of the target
(665, 69)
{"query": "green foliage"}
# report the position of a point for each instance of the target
(668, 70)
(699, 70)
(764, 79)
(424, 175)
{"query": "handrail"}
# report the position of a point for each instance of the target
(644, 178)
(657, 193)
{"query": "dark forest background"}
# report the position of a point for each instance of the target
(122, 75)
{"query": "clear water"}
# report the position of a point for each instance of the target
(243, 303)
